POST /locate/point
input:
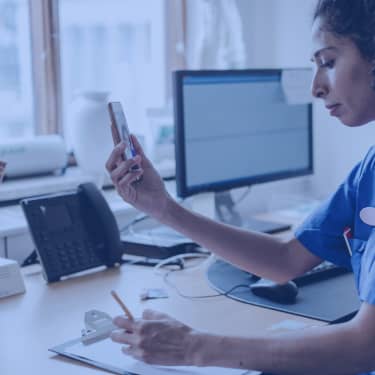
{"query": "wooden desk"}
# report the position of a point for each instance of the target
(47, 315)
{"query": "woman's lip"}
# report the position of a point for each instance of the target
(333, 109)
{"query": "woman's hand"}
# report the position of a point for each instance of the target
(157, 339)
(142, 188)
(2, 170)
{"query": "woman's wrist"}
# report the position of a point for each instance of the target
(203, 348)
(222, 351)
(210, 350)
(166, 214)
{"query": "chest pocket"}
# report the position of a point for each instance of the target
(358, 247)
(363, 260)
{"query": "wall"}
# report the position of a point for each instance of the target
(277, 34)
(337, 149)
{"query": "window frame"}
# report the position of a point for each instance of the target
(45, 51)
(46, 58)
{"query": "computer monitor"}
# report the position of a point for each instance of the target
(235, 128)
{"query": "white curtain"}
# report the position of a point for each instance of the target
(214, 36)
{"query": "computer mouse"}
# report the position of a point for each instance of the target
(280, 293)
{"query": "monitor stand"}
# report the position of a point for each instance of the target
(226, 212)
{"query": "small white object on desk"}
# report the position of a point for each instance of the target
(11, 281)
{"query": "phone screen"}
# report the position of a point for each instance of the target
(120, 130)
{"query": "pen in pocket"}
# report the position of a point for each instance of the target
(348, 234)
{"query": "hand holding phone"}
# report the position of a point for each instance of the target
(120, 130)
(136, 181)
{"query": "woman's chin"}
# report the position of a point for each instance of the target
(352, 122)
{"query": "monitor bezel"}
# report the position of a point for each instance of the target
(183, 189)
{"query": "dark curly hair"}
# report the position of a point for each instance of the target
(353, 19)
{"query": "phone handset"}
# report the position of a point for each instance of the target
(101, 224)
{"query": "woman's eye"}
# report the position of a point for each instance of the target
(327, 64)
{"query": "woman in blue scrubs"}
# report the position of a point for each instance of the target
(343, 54)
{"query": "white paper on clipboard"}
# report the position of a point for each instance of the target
(109, 355)
(97, 349)
(296, 85)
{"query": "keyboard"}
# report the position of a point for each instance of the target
(323, 271)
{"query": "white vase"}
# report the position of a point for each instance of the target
(90, 132)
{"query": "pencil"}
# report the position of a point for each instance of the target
(122, 304)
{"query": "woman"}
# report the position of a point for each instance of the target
(343, 53)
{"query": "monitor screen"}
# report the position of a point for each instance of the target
(236, 128)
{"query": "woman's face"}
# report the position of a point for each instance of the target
(342, 78)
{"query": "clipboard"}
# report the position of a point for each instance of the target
(98, 327)
(94, 347)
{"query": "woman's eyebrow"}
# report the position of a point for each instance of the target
(318, 53)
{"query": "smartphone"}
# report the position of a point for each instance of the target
(120, 130)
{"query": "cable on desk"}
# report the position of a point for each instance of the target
(181, 258)
(168, 282)
(186, 256)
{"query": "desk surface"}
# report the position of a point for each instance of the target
(47, 315)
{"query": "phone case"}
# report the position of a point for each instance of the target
(120, 130)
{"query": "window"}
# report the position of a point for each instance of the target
(53, 50)
(113, 46)
(16, 114)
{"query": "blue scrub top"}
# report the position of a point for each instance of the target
(322, 232)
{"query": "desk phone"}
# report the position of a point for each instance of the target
(73, 231)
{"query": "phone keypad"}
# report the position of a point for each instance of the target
(65, 251)
(66, 257)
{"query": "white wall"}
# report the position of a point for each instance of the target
(337, 149)
(277, 34)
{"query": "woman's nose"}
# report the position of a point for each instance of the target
(319, 93)
(318, 88)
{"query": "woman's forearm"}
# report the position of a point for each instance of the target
(258, 253)
(330, 350)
